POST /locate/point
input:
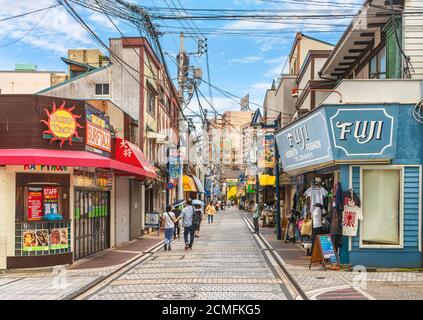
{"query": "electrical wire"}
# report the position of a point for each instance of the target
(30, 12)
(32, 28)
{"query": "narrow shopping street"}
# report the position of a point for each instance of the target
(225, 263)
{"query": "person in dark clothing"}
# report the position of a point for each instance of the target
(177, 229)
(197, 218)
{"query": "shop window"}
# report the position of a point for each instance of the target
(151, 103)
(377, 65)
(381, 208)
(102, 89)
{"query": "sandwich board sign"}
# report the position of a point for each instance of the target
(324, 252)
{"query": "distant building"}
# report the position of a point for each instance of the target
(26, 79)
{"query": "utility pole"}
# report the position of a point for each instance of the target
(181, 82)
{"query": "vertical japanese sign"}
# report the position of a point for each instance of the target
(35, 203)
(269, 150)
(51, 200)
(174, 164)
(261, 149)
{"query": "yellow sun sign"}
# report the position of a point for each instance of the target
(62, 124)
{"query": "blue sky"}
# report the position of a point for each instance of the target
(238, 64)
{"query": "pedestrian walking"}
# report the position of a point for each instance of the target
(317, 223)
(210, 211)
(197, 218)
(168, 224)
(186, 217)
(177, 228)
(256, 215)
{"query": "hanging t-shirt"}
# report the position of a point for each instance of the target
(317, 217)
(316, 194)
(350, 219)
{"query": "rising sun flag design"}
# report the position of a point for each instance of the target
(62, 124)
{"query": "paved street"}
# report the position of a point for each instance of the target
(225, 263)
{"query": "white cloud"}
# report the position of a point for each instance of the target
(244, 60)
(55, 32)
(278, 66)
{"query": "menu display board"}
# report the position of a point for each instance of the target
(35, 240)
(35, 203)
(51, 200)
(59, 238)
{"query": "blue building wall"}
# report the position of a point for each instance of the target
(408, 152)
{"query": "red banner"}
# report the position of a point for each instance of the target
(35, 203)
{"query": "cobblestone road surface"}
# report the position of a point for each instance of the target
(225, 263)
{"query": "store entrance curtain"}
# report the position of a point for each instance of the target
(381, 207)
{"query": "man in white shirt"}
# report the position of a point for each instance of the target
(189, 229)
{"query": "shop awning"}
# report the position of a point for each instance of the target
(129, 153)
(199, 184)
(67, 158)
(189, 184)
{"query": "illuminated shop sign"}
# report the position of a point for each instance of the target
(62, 125)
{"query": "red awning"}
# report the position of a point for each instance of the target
(68, 158)
(129, 153)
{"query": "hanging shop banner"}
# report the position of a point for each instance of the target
(35, 203)
(51, 200)
(269, 150)
(261, 162)
(35, 240)
(62, 125)
(174, 164)
(208, 186)
(59, 238)
(305, 143)
(363, 132)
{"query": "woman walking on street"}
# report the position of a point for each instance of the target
(256, 215)
(198, 217)
(210, 211)
(168, 223)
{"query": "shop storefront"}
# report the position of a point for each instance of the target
(92, 208)
(57, 182)
(373, 153)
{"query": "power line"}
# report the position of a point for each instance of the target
(32, 28)
(30, 12)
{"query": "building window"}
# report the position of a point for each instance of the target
(101, 89)
(377, 68)
(151, 103)
(381, 207)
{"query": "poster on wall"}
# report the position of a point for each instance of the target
(59, 238)
(35, 203)
(35, 240)
(51, 200)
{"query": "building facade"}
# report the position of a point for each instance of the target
(358, 138)
(137, 82)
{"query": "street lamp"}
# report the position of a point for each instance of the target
(258, 123)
